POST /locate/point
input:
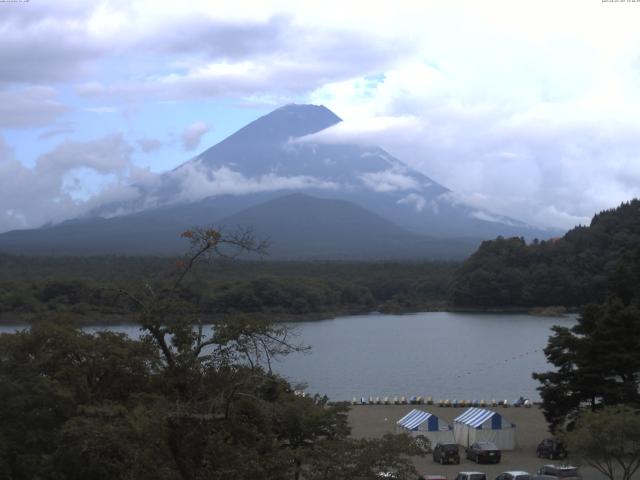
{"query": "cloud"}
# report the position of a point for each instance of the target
(535, 123)
(100, 110)
(110, 154)
(195, 183)
(418, 201)
(46, 43)
(272, 57)
(488, 217)
(30, 107)
(550, 158)
(56, 189)
(148, 145)
(98, 177)
(389, 181)
(192, 134)
(60, 128)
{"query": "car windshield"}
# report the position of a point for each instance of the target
(449, 447)
(487, 446)
(522, 477)
(477, 476)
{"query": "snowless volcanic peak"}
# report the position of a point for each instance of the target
(291, 190)
(290, 121)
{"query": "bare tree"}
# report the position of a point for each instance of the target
(174, 323)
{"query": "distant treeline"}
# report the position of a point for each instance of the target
(585, 266)
(91, 288)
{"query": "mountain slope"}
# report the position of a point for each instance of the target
(273, 157)
(277, 147)
(151, 232)
(300, 226)
(297, 226)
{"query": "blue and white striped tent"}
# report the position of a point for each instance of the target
(481, 425)
(418, 422)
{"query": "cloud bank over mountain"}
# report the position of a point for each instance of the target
(529, 110)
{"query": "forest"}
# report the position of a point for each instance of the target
(585, 266)
(582, 267)
(88, 289)
(179, 403)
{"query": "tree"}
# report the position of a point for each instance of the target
(608, 440)
(363, 459)
(597, 360)
(49, 377)
(180, 403)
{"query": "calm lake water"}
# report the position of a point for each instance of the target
(438, 354)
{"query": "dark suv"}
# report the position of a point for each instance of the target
(446, 453)
(484, 452)
(551, 448)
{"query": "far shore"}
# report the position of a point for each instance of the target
(106, 319)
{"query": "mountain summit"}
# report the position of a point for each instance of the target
(273, 157)
(284, 123)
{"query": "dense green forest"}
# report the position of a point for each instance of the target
(89, 288)
(179, 403)
(582, 267)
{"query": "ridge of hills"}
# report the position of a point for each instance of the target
(297, 226)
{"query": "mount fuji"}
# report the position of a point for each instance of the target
(311, 199)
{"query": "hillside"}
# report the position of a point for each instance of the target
(303, 227)
(273, 157)
(297, 227)
(584, 266)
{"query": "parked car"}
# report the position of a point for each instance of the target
(557, 472)
(471, 476)
(551, 448)
(514, 475)
(446, 452)
(484, 452)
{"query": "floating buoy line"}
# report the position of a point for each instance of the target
(419, 400)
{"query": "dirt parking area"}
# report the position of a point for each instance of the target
(370, 421)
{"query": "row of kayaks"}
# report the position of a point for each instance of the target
(399, 400)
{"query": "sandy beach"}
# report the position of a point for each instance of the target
(370, 421)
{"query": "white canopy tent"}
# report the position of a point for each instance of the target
(480, 425)
(418, 422)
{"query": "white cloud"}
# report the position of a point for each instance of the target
(527, 109)
(59, 128)
(56, 189)
(110, 154)
(195, 183)
(30, 107)
(488, 217)
(389, 181)
(100, 110)
(418, 201)
(148, 145)
(192, 134)
(549, 157)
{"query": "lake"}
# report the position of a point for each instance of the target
(439, 354)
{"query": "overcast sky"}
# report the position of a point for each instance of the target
(527, 108)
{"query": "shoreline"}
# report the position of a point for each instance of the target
(96, 318)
